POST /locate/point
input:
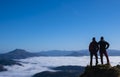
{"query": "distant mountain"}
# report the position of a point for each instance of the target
(65, 53)
(56, 53)
(86, 53)
(79, 53)
(76, 53)
(18, 54)
(113, 52)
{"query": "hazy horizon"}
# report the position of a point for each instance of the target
(49, 50)
(58, 24)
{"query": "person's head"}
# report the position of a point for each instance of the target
(102, 38)
(93, 38)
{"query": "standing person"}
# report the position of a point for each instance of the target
(93, 48)
(103, 45)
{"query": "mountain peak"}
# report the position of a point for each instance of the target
(18, 51)
(18, 54)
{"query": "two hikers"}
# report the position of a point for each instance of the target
(102, 45)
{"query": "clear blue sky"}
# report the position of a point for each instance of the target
(37, 25)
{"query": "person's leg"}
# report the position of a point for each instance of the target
(101, 57)
(91, 56)
(96, 57)
(106, 55)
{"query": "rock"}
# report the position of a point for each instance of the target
(101, 71)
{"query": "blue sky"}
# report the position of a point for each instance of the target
(37, 25)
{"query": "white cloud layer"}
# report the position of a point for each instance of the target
(34, 65)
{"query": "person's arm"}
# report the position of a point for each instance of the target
(107, 45)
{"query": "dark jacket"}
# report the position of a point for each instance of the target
(93, 47)
(103, 45)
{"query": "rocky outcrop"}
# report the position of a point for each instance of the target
(101, 71)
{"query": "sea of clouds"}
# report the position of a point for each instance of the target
(35, 65)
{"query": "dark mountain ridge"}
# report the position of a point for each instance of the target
(2, 68)
(18, 54)
(62, 71)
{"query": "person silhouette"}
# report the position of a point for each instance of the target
(93, 48)
(103, 45)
